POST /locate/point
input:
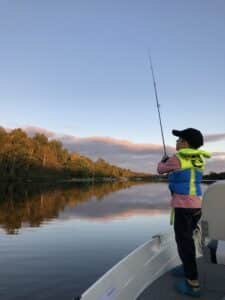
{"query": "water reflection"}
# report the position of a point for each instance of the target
(31, 205)
(81, 232)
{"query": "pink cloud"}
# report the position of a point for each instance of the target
(124, 153)
(214, 137)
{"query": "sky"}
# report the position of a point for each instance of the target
(80, 69)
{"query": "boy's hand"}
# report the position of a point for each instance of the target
(164, 158)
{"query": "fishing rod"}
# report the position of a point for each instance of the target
(158, 106)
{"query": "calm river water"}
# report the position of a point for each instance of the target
(55, 242)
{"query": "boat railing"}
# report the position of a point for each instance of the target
(127, 279)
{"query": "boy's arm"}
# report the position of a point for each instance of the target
(171, 164)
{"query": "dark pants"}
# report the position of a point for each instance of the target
(185, 222)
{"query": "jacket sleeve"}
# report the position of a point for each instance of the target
(170, 165)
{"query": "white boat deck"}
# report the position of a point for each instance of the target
(212, 278)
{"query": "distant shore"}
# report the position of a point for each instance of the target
(47, 179)
(51, 179)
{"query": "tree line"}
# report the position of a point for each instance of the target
(215, 176)
(37, 157)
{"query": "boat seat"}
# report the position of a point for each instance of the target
(213, 223)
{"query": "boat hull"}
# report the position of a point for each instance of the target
(127, 279)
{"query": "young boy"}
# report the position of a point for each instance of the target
(185, 170)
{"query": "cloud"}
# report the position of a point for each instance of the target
(218, 154)
(216, 165)
(214, 137)
(124, 153)
(32, 130)
(137, 157)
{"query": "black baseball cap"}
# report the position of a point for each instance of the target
(193, 136)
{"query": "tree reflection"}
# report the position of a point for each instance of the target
(31, 205)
